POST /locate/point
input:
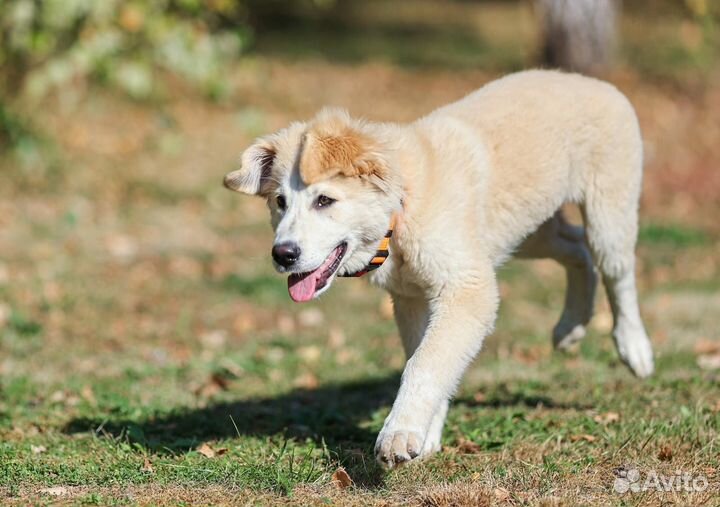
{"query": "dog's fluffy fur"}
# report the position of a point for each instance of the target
(470, 184)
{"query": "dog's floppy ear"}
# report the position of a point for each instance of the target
(255, 170)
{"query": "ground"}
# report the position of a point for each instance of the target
(150, 355)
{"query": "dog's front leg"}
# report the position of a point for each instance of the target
(460, 317)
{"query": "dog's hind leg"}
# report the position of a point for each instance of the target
(611, 217)
(556, 239)
(412, 317)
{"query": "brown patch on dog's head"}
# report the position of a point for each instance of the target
(337, 145)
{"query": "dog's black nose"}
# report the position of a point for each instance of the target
(286, 254)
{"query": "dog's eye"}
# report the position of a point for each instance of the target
(323, 201)
(280, 201)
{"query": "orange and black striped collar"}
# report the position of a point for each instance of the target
(383, 252)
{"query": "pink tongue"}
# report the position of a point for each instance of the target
(302, 287)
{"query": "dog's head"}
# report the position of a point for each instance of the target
(331, 193)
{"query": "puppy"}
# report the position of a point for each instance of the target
(429, 210)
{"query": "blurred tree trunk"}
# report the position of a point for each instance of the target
(578, 35)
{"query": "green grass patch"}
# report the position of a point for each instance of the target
(678, 236)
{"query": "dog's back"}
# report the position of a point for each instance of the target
(549, 137)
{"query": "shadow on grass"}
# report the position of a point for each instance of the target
(333, 416)
(330, 416)
(502, 396)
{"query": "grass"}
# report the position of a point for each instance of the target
(149, 354)
(284, 407)
(673, 236)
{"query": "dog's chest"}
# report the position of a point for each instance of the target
(397, 277)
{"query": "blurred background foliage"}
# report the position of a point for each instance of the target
(50, 43)
(136, 46)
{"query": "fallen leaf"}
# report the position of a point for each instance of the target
(213, 339)
(147, 466)
(585, 437)
(58, 397)
(310, 354)
(38, 449)
(55, 491)
(709, 361)
(607, 418)
(341, 479)
(131, 18)
(221, 451)
(232, 367)
(206, 451)
(306, 381)
(468, 447)
(214, 384)
(705, 346)
(666, 453)
(501, 494)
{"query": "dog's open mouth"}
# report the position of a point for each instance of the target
(303, 286)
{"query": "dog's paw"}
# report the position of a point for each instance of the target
(397, 447)
(636, 352)
(565, 336)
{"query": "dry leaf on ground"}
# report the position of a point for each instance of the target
(709, 361)
(306, 381)
(501, 494)
(666, 453)
(214, 384)
(585, 437)
(147, 466)
(341, 479)
(705, 346)
(468, 447)
(607, 418)
(206, 451)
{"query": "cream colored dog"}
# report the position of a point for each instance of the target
(466, 187)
